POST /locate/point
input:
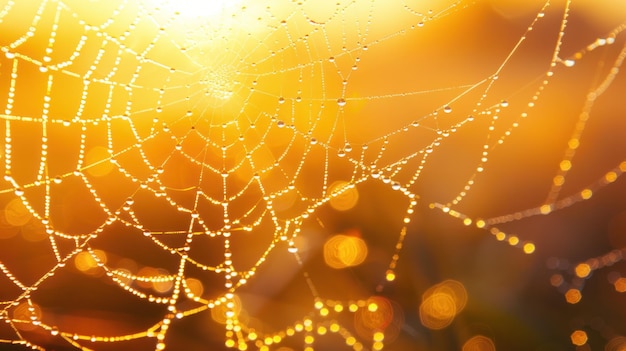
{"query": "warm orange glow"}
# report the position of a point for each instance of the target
(545, 209)
(342, 251)
(453, 288)
(195, 286)
(556, 280)
(558, 180)
(480, 223)
(378, 336)
(579, 337)
(145, 275)
(6, 229)
(617, 343)
(479, 343)
(343, 196)
(226, 311)
(390, 276)
(379, 314)
(620, 284)
(437, 311)
(98, 159)
(529, 248)
(565, 165)
(27, 316)
(441, 303)
(573, 296)
(610, 177)
(88, 264)
(586, 194)
(162, 283)
(16, 213)
(33, 231)
(583, 270)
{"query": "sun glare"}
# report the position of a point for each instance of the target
(198, 9)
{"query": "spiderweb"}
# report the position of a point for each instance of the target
(168, 162)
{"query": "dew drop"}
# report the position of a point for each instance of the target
(280, 124)
(447, 109)
(54, 331)
(281, 100)
(395, 186)
(331, 59)
(313, 141)
(569, 63)
(341, 153)
(341, 102)
(19, 191)
(504, 103)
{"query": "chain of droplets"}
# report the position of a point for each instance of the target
(552, 203)
(581, 272)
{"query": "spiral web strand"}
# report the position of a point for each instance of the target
(172, 156)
